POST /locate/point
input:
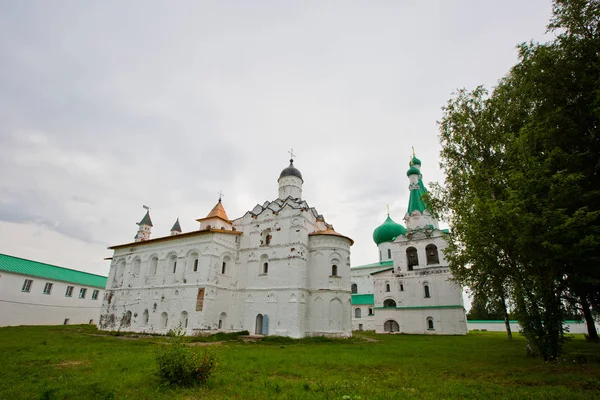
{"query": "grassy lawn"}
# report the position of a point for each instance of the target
(71, 362)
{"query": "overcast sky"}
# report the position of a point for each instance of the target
(109, 105)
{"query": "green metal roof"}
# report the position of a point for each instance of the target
(416, 201)
(388, 231)
(383, 270)
(375, 265)
(33, 268)
(146, 220)
(362, 299)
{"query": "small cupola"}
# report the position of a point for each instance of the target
(388, 231)
(290, 182)
(176, 229)
(144, 227)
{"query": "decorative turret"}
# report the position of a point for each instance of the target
(145, 226)
(176, 229)
(216, 218)
(418, 214)
(290, 181)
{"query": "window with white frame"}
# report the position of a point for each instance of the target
(357, 313)
(48, 288)
(430, 324)
(69, 292)
(82, 293)
(95, 294)
(27, 285)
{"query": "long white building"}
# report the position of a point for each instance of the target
(278, 269)
(409, 290)
(34, 293)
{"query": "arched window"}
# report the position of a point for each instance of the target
(334, 270)
(183, 319)
(136, 267)
(389, 303)
(164, 320)
(153, 265)
(357, 313)
(430, 324)
(145, 317)
(426, 290)
(401, 287)
(390, 254)
(194, 260)
(354, 288)
(387, 287)
(222, 319)
(119, 273)
(173, 264)
(412, 258)
(391, 326)
(370, 311)
(432, 254)
(226, 260)
(265, 269)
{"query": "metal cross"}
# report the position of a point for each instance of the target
(388, 208)
(146, 208)
(220, 193)
(292, 155)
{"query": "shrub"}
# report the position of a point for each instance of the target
(182, 365)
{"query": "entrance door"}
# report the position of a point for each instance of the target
(259, 325)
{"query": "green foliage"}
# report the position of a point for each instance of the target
(182, 365)
(522, 170)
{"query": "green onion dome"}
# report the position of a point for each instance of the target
(412, 171)
(414, 161)
(388, 231)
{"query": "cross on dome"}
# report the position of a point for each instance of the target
(292, 155)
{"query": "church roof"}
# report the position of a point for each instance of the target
(416, 200)
(388, 231)
(375, 265)
(146, 220)
(176, 227)
(218, 211)
(291, 171)
(23, 266)
(330, 231)
(175, 237)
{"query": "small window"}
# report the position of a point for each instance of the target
(66, 321)
(82, 293)
(402, 287)
(26, 285)
(223, 267)
(389, 303)
(354, 288)
(174, 266)
(390, 254)
(268, 240)
(387, 287)
(196, 265)
(360, 327)
(370, 311)
(69, 292)
(265, 269)
(430, 324)
(48, 288)
(334, 271)
(91, 322)
(357, 313)
(380, 257)
(426, 288)
(153, 265)
(95, 294)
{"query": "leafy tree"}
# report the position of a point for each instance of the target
(522, 189)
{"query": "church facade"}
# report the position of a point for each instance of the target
(409, 290)
(279, 269)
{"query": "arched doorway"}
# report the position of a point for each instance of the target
(222, 319)
(262, 325)
(391, 326)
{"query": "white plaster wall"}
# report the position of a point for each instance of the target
(290, 186)
(367, 321)
(36, 308)
(498, 326)
(449, 321)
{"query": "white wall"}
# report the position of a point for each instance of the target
(35, 308)
(498, 326)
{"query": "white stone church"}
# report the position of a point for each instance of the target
(409, 290)
(280, 269)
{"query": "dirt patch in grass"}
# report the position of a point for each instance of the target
(71, 363)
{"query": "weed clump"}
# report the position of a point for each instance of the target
(182, 365)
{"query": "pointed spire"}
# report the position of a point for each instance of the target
(176, 227)
(218, 211)
(146, 220)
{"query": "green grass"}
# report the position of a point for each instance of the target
(73, 363)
